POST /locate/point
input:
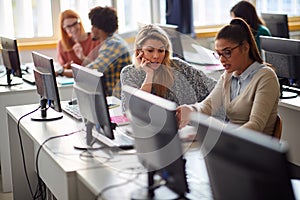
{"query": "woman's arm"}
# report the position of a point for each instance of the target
(266, 97)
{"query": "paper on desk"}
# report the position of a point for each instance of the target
(64, 80)
(201, 56)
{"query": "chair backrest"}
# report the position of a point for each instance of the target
(278, 127)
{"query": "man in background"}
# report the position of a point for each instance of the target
(113, 53)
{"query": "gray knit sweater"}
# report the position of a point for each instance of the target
(190, 84)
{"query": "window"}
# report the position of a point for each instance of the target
(212, 12)
(38, 20)
(217, 12)
(290, 7)
(26, 18)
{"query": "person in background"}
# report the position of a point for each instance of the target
(75, 44)
(248, 89)
(113, 53)
(155, 70)
(247, 11)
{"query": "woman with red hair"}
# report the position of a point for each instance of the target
(75, 44)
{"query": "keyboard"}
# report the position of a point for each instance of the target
(29, 78)
(72, 110)
(120, 138)
(291, 89)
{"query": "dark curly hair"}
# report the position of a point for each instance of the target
(104, 18)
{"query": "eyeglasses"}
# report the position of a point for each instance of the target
(225, 53)
(68, 27)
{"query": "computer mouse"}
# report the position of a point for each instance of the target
(73, 102)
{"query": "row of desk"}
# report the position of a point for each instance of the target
(73, 174)
(18, 95)
(26, 94)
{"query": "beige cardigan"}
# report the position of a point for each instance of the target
(255, 108)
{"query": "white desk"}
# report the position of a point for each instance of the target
(18, 95)
(58, 161)
(91, 182)
(69, 176)
(57, 166)
(289, 110)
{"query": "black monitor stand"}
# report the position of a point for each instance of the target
(46, 114)
(153, 191)
(10, 79)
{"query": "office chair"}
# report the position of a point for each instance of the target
(278, 127)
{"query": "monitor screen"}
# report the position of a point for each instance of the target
(11, 61)
(242, 163)
(46, 85)
(154, 127)
(175, 38)
(284, 55)
(277, 24)
(91, 98)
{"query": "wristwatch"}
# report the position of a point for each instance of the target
(60, 71)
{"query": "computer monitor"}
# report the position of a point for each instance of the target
(175, 38)
(11, 61)
(277, 24)
(46, 85)
(158, 146)
(91, 98)
(284, 55)
(242, 163)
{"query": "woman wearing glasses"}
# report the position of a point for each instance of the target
(248, 90)
(75, 44)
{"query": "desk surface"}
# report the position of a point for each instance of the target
(59, 148)
(293, 103)
(73, 176)
(92, 182)
(58, 161)
(18, 95)
(59, 155)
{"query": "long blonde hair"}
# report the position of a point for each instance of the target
(163, 77)
(66, 40)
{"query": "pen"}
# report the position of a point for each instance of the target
(112, 105)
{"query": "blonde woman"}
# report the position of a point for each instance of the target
(156, 72)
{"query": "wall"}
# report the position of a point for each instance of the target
(25, 55)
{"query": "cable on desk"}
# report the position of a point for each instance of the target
(40, 188)
(90, 155)
(22, 149)
(87, 151)
(114, 148)
(100, 195)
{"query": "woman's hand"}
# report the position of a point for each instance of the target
(78, 50)
(183, 115)
(143, 63)
(68, 65)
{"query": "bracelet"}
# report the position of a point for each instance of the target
(61, 72)
(194, 108)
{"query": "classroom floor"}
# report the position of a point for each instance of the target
(4, 195)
